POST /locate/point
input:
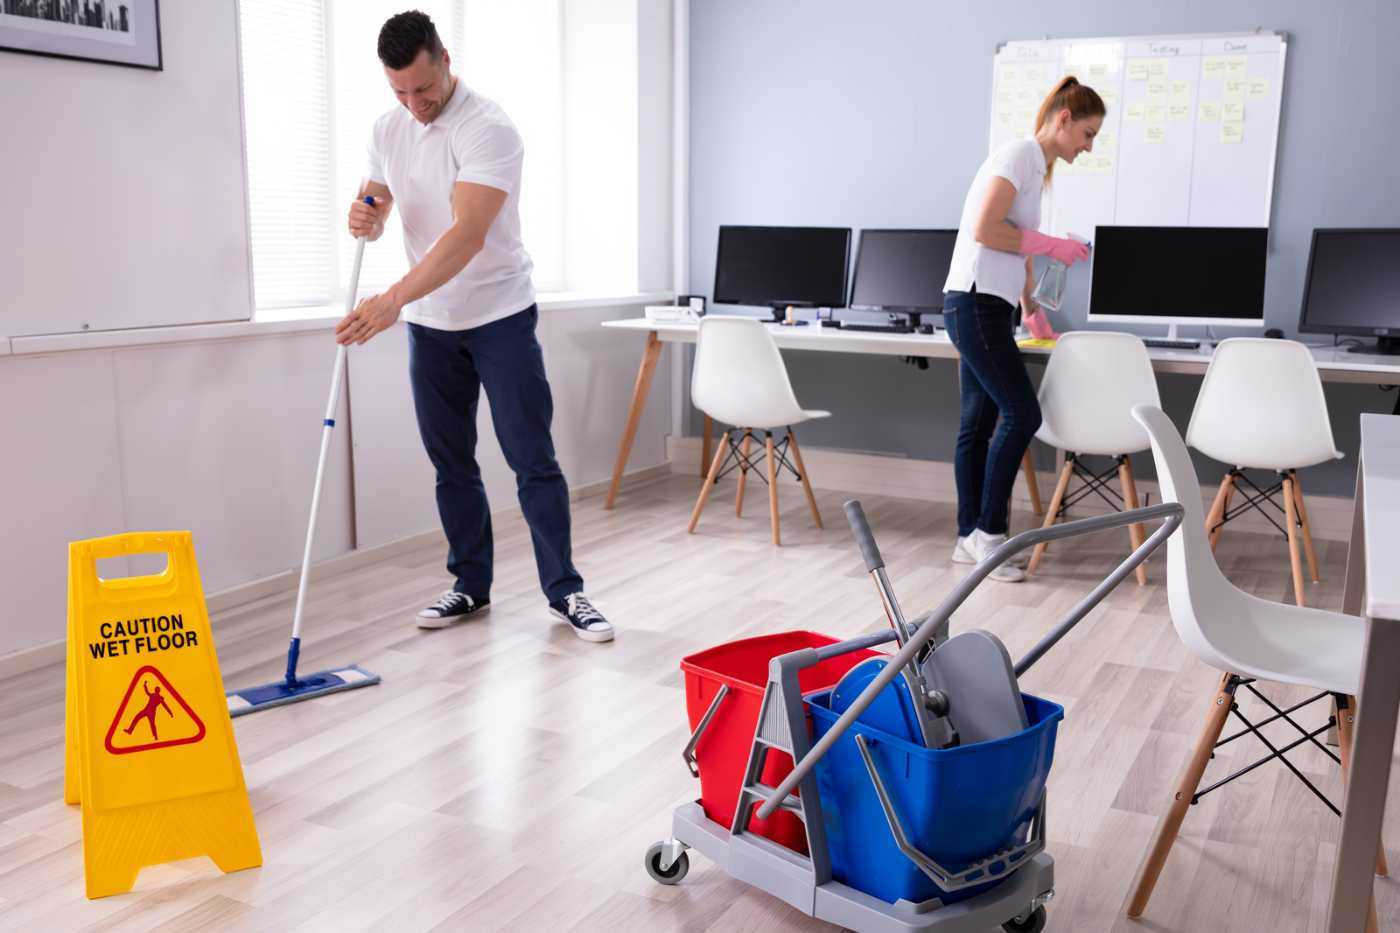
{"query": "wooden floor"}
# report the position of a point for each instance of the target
(507, 776)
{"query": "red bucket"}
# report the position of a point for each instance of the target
(723, 751)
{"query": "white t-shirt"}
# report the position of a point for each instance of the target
(995, 271)
(472, 140)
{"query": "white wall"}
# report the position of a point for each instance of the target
(124, 201)
(218, 437)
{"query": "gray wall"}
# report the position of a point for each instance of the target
(875, 114)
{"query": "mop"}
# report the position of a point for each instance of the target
(293, 688)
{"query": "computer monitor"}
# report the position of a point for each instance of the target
(902, 271)
(1353, 286)
(781, 266)
(1178, 275)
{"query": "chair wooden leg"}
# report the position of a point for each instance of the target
(1052, 512)
(1218, 507)
(1346, 722)
(743, 476)
(772, 488)
(806, 485)
(1181, 800)
(1290, 513)
(706, 438)
(1136, 534)
(709, 483)
(1032, 483)
(1307, 531)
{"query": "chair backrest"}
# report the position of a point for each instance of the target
(1261, 405)
(1092, 382)
(1209, 612)
(739, 377)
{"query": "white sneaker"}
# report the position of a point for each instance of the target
(979, 545)
(963, 555)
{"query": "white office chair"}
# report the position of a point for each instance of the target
(1261, 407)
(1246, 638)
(1092, 382)
(739, 379)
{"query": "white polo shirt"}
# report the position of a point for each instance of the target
(472, 140)
(995, 271)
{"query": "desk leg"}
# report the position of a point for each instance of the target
(640, 389)
(1364, 805)
(705, 445)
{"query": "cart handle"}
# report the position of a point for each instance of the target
(978, 872)
(689, 754)
(1170, 513)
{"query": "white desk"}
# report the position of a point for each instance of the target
(1372, 590)
(1335, 365)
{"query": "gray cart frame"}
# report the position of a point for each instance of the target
(1026, 870)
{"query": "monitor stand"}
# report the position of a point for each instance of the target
(1171, 332)
(1385, 346)
(779, 309)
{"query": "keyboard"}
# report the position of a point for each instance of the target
(1164, 344)
(879, 328)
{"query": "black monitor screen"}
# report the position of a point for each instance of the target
(1179, 272)
(1353, 284)
(782, 265)
(902, 269)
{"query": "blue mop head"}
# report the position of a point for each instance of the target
(302, 688)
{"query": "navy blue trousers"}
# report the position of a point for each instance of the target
(992, 381)
(448, 370)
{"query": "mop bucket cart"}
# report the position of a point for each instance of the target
(898, 837)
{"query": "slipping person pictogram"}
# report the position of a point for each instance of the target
(154, 701)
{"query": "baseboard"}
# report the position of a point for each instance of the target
(904, 477)
(29, 659)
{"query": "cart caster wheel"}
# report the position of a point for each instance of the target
(1034, 923)
(672, 875)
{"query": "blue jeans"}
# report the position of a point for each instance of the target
(993, 382)
(447, 369)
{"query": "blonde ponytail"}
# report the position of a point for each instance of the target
(1081, 100)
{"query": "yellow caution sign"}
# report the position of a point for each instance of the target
(150, 747)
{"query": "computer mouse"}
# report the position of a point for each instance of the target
(925, 328)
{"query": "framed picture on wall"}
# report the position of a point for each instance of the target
(114, 32)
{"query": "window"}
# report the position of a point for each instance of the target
(312, 89)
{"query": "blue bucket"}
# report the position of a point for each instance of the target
(958, 805)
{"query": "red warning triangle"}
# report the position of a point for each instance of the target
(156, 716)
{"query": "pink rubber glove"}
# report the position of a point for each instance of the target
(1035, 243)
(1038, 324)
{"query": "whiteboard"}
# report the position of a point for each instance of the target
(1189, 139)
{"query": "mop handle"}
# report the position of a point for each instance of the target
(327, 426)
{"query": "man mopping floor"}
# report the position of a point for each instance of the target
(451, 160)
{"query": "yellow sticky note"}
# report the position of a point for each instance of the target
(1105, 141)
(1258, 87)
(1232, 131)
(1136, 110)
(1232, 111)
(1235, 86)
(1181, 92)
(1178, 111)
(1033, 74)
(1005, 116)
(1098, 72)
(1235, 66)
(1157, 68)
(1210, 111)
(1156, 89)
(1137, 70)
(1103, 165)
(1009, 74)
(1155, 133)
(1156, 113)
(1214, 67)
